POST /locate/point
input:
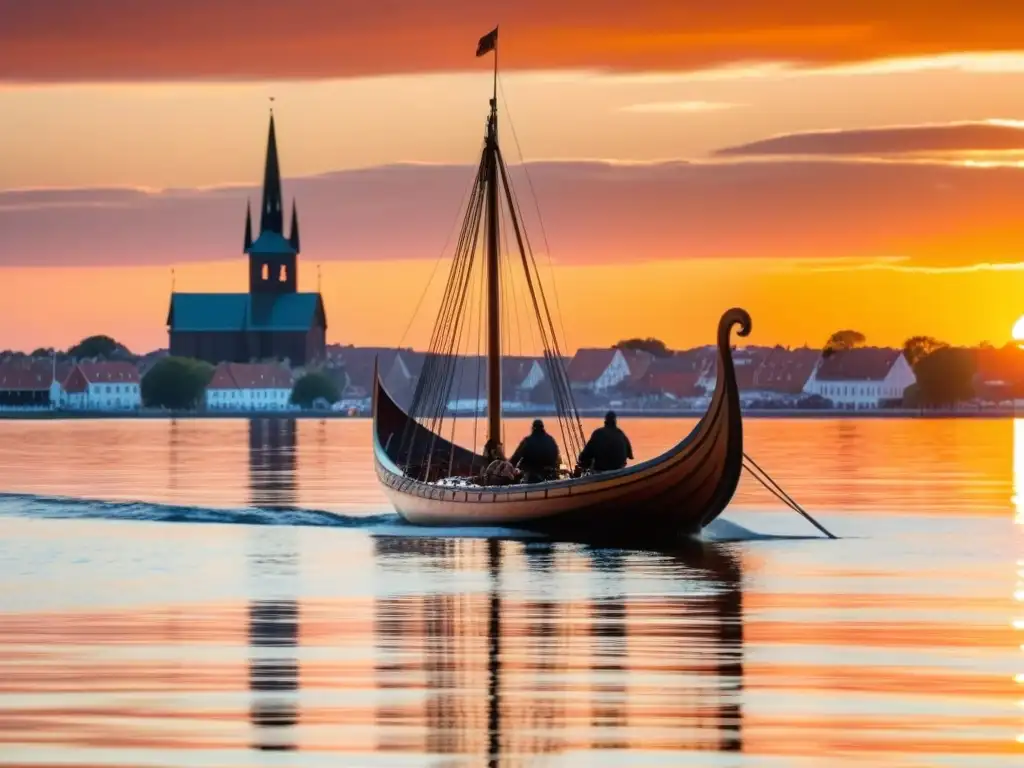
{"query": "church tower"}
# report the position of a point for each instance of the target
(273, 260)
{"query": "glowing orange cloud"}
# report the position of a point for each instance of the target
(989, 136)
(127, 39)
(936, 214)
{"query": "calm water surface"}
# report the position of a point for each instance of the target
(234, 593)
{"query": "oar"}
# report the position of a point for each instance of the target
(781, 494)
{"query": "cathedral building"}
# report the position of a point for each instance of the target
(273, 321)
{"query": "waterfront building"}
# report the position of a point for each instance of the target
(249, 387)
(102, 386)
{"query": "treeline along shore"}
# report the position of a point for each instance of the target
(994, 412)
(636, 377)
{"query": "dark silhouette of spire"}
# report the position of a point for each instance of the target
(294, 238)
(272, 210)
(248, 227)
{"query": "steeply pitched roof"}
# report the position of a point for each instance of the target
(102, 372)
(860, 364)
(26, 376)
(587, 365)
(110, 372)
(786, 370)
(272, 209)
(245, 312)
(637, 361)
(671, 382)
(250, 376)
(514, 370)
(271, 244)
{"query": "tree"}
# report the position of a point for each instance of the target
(840, 341)
(314, 386)
(917, 348)
(100, 346)
(945, 377)
(650, 345)
(176, 382)
(42, 352)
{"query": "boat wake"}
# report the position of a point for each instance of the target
(386, 524)
(721, 531)
(67, 507)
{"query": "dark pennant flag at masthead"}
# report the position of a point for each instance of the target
(487, 43)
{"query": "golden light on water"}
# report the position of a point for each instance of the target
(1018, 501)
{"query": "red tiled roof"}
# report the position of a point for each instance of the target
(675, 383)
(104, 372)
(690, 361)
(250, 376)
(587, 365)
(786, 370)
(26, 376)
(860, 364)
(638, 362)
(514, 370)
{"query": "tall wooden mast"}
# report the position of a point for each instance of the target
(493, 282)
(492, 180)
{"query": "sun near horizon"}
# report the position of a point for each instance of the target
(1018, 331)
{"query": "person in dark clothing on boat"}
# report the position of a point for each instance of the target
(537, 456)
(499, 470)
(608, 448)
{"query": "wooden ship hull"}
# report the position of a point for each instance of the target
(673, 495)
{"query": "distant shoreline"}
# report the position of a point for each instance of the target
(625, 413)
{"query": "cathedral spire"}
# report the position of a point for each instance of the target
(248, 227)
(293, 239)
(271, 212)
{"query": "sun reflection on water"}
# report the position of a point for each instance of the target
(1018, 501)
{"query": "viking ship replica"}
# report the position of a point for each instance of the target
(429, 478)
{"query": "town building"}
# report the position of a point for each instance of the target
(861, 378)
(31, 384)
(599, 370)
(102, 386)
(273, 321)
(249, 387)
(675, 378)
(786, 371)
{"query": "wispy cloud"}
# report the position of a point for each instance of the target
(675, 107)
(904, 264)
(942, 138)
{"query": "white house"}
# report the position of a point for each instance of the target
(249, 387)
(861, 378)
(598, 370)
(102, 386)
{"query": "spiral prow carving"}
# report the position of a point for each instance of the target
(731, 318)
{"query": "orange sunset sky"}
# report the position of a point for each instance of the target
(823, 164)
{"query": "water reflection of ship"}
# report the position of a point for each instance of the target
(514, 677)
(272, 463)
(273, 612)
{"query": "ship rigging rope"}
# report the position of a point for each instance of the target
(536, 205)
(569, 419)
(437, 263)
(776, 490)
(446, 359)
